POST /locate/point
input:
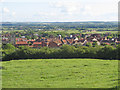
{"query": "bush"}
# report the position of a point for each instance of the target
(66, 51)
(8, 46)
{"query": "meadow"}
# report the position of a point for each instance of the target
(60, 73)
(101, 32)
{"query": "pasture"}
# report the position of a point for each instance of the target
(60, 73)
(100, 32)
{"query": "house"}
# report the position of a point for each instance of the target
(95, 40)
(85, 42)
(53, 44)
(95, 35)
(37, 44)
(7, 35)
(117, 39)
(64, 41)
(107, 43)
(47, 43)
(44, 44)
(118, 42)
(76, 42)
(70, 41)
(112, 40)
(82, 41)
(104, 42)
(5, 40)
(21, 39)
(99, 39)
(8, 38)
(89, 39)
(21, 43)
(30, 41)
(105, 38)
(56, 42)
(51, 36)
(75, 39)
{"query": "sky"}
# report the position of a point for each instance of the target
(58, 10)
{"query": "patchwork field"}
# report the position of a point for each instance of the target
(60, 73)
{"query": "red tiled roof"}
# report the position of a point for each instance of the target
(22, 42)
(57, 41)
(47, 43)
(82, 40)
(64, 41)
(49, 40)
(91, 42)
(43, 37)
(107, 43)
(37, 42)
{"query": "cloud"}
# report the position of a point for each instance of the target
(6, 10)
(68, 7)
(98, 10)
(75, 10)
(13, 13)
(2, 0)
(86, 9)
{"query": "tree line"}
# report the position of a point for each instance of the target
(56, 25)
(9, 52)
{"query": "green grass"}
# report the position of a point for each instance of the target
(13, 30)
(100, 32)
(72, 31)
(60, 73)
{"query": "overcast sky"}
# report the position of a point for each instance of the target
(58, 10)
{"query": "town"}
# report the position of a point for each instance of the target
(50, 44)
(54, 42)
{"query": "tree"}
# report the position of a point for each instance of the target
(88, 44)
(108, 37)
(94, 44)
(34, 37)
(79, 37)
(28, 37)
(67, 51)
(118, 51)
(108, 52)
(8, 46)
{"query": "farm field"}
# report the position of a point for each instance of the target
(60, 73)
(100, 32)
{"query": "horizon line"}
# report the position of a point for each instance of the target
(53, 21)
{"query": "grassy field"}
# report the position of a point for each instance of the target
(60, 73)
(11, 30)
(101, 32)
